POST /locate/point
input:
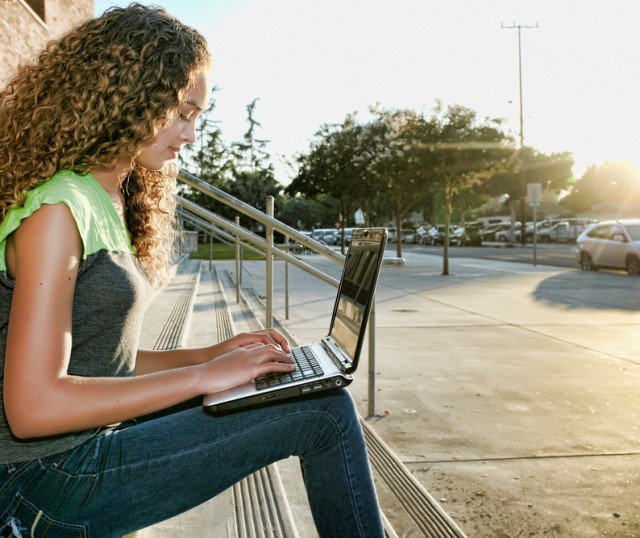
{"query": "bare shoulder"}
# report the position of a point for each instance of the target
(47, 239)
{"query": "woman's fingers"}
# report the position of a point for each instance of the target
(265, 336)
(244, 364)
(266, 352)
(279, 339)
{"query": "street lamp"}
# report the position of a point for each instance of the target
(523, 184)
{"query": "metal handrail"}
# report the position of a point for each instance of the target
(259, 216)
(228, 230)
(231, 231)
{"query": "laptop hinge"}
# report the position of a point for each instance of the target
(337, 354)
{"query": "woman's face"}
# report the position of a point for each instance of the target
(182, 129)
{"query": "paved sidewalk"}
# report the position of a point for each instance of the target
(511, 391)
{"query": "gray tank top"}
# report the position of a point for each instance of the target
(110, 298)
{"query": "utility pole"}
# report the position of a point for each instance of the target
(523, 181)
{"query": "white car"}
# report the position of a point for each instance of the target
(611, 245)
(562, 231)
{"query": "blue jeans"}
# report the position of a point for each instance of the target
(138, 474)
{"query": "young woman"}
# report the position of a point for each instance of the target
(88, 138)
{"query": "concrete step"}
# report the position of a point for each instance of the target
(249, 305)
(198, 307)
(405, 503)
(289, 469)
(193, 311)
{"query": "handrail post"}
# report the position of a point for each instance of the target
(372, 361)
(286, 280)
(238, 262)
(269, 267)
(210, 251)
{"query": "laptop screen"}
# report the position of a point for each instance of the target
(355, 296)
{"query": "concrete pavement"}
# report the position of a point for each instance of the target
(512, 392)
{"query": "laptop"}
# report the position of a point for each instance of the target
(330, 363)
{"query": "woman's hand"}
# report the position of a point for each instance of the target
(243, 364)
(263, 336)
(149, 361)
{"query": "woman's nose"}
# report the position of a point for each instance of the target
(189, 133)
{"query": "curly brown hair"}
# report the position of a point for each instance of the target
(97, 94)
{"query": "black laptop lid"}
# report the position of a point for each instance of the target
(357, 290)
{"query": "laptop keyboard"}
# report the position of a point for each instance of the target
(307, 367)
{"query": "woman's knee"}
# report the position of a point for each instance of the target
(338, 404)
(336, 413)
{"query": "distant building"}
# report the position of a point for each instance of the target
(27, 25)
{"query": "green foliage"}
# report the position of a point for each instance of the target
(253, 187)
(400, 161)
(222, 251)
(397, 162)
(524, 166)
(250, 153)
(551, 171)
(242, 169)
(464, 155)
(333, 171)
(307, 214)
(614, 183)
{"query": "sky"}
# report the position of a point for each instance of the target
(312, 62)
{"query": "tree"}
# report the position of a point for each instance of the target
(397, 160)
(552, 171)
(251, 177)
(614, 183)
(250, 153)
(528, 165)
(242, 169)
(305, 213)
(467, 154)
(336, 165)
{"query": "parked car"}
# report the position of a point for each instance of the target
(393, 235)
(408, 236)
(297, 247)
(435, 236)
(348, 232)
(611, 245)
(489, 233)
(420, 234)
(560, 232)
(328, 236)
(428, 236)
(504, 234)
(470, 235)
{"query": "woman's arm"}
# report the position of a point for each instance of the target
(40, 398)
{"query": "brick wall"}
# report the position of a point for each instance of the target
(23, 32)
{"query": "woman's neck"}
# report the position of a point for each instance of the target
(111, 181)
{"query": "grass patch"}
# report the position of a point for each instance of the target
(222, 251)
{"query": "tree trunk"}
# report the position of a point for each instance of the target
(448, 204)
(343, 222)
(367, 212)
(398, 204)
(512, 225)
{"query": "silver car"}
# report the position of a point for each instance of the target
(611, 245)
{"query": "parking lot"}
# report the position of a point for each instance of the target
(553, 254)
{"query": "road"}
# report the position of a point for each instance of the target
(555, 255)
